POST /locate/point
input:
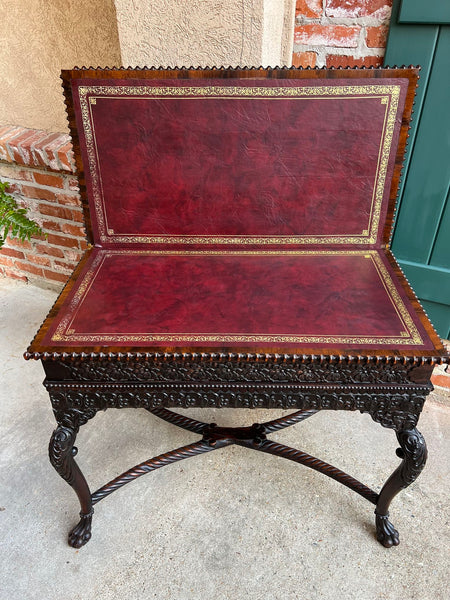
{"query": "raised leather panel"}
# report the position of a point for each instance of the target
(287, 299)
(247, 162)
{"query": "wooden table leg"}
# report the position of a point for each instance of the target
(62, 452)
(413, 451)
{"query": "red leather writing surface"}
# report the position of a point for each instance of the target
(238, 161)
(284, 299)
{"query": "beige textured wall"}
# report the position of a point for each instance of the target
(205, 32)
(278, 32)
(41, 37)
(38, 39)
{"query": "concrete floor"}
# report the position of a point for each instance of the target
(233, 524)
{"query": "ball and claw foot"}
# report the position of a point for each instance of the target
(81, 533)
(387, 535)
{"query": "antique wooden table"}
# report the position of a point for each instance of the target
(238, 225)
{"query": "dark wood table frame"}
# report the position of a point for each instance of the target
(389, 385)
(383, 388)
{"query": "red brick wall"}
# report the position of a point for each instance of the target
(39, 168)
(340, 33)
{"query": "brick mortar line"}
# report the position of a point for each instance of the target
(60, 220)
(40, 168)
(48, 188)
(17, 263)
(22, 129)
(33, 150)
(62, 234)
(340, 50)
(346, 22)
(33, 207)
(31, 251)
(51, 259)
(73, 261)
(323, 52)
(33, 204)
(39, 280)
(75, 207)
(6, 138)
(361, 42)
(32, 201)
(28, 276)
(52, 245)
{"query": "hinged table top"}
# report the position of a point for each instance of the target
(239, 211)
(238, 161)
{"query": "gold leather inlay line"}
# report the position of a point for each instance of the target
(65, 331)
(388, 94)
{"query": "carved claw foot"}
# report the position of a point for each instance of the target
(387, 535)
(81, 533)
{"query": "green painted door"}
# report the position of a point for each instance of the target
(420, 35)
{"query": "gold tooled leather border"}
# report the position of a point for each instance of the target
(65, 332)
(388, 94)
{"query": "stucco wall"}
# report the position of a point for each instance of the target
(277, 40)
(205, 32)
(39, 38)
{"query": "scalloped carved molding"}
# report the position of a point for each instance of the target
(397, 409)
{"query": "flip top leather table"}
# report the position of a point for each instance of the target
(238, 223)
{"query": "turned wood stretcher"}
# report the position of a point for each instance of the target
(238, 223)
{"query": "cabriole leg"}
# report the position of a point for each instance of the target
(62, 452)
(413, 451)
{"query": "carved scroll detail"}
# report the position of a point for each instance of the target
(415, 454)
(243, 371)
(397, 410)
(60, 452)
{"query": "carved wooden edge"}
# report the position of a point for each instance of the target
(123, 69)
(235, 385)
(138, 356)
(418, 308)
(79, 168)
(411, 73)
(224, 357)
(413, 79)
(282, 371)
(36, 350)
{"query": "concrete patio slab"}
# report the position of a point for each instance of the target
(230, 525)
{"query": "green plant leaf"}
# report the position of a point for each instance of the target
(13, 220)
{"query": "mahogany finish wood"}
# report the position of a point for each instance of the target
(372, 349)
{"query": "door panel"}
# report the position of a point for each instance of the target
(428, 178)
(441, 250)
(421, 240)
(439, 315)
(425, 11)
